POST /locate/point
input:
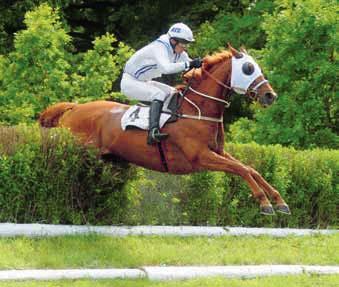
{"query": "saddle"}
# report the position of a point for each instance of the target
(137, 116)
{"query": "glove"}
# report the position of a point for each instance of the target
(195, 63)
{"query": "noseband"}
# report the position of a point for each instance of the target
(251, 92)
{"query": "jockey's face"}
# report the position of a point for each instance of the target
(179, 47)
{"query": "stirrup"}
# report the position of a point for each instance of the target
(155, 136)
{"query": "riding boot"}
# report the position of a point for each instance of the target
(154, 134)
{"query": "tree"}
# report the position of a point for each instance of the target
(134, 22)
(100, 68)
(41, 70)
(37, 70)
(301, 57)
(11, 20)
(240, 25)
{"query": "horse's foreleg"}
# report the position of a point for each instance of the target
(220, 139)
(213, 161)
(269, 190)
(281, 205)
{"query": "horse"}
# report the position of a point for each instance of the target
(195, 142)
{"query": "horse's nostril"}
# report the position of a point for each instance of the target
(270, 96)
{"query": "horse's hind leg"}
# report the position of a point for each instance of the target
(213, 161)
(281, 205)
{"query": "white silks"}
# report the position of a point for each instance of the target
(240, 82)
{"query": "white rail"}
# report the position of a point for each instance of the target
(32, 230)
(168, 273)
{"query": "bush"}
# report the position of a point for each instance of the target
(238, 27)
(300, 57)
(41, 70)
(242, 131)
(158, 199)
(307, 180)
(204, 197)
(46, 176)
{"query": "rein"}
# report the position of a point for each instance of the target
(253, 93)
(227, 104)
(200, 117)
(215, 79)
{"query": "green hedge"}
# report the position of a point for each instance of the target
(45, 176)
(307, 180)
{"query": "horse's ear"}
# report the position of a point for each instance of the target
(242, 49)
(234, 51)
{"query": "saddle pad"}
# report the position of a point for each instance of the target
(137, 116)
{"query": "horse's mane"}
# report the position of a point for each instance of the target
(208, 62)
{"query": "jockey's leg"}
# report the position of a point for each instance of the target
(144, 91)
(135, 89)
(149, 92)
(158, 100)
(154, 134)
(166, 88)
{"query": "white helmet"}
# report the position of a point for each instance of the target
(181, 31)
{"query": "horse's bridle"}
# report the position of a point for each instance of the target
(252, 93)
(200, 117)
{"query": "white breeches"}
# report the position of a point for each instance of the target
(144, 91)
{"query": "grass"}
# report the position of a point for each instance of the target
(94, 251)
(274, 281)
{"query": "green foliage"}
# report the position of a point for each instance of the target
(301, 57)
(236, 27)
(133, 22)
(11, 20)
(240, 26)
(307, 180)
(152, 18)
(159, 199)
(204, 197)
(36, 74)
(46, 176)
(298, 54)
(100, 68)
(41, 70)
(242, 131)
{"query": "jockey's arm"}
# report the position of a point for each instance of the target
(184, 57)
(165, 65)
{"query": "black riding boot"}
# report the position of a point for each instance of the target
(154, 134)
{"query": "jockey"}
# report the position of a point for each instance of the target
(166, 55)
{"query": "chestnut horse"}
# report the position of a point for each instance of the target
(195, 143)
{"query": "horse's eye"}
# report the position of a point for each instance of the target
(248, 68)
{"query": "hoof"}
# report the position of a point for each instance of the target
(267, 210)
(283, 208)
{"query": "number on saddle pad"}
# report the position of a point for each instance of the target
(137, 116)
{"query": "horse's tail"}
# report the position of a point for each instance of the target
(50, 117)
